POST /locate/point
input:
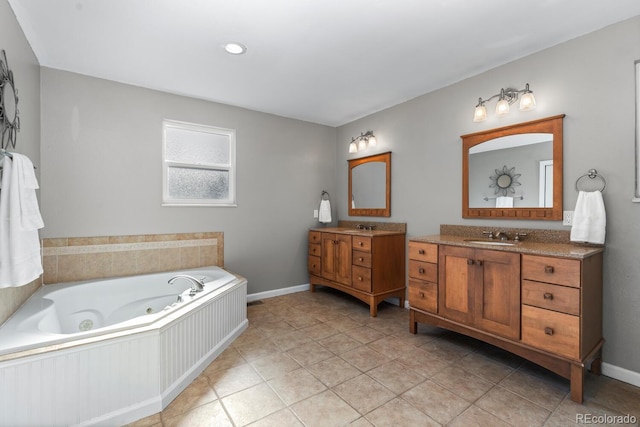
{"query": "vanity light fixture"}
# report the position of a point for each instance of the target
(506, 97)
(235, 48)
(363, 141)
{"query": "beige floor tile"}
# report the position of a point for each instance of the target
(333, 371)
(290, 339)
(340, 343)
(436, 401)
(465, 384)
(252, 404)
(535, 389)
(361, 422)
(257, 348)
(235, 379)
(396, 377)
(364, 334)
(209, 415)
(282, 418)
(227, 359)
(310, 353)
(324, 409)
(613, 394)
(391, 346)
(198, 393)
(574, 411)
(364, 358)
(364, 393)
(476, 417)
(319, 331)
(296, 385)
(423, 362)
(150, 421)
(344, 323)
(485, 368)
(446, 350)
(273, 366)
(512, 408)
(398, 412)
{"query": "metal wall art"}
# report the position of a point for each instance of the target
(504, 180)
(9, 114)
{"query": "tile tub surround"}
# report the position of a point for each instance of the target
(319, 359)
(85, 258)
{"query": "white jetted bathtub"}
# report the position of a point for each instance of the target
(108, 352)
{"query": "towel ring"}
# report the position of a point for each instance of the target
(592, 174)
(325, 195)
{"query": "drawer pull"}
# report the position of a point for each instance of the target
(360, 259)
(361, 244)
(421, 294)
(421, 252)
(548, 330)
(479, 262)
(470, 262)
(360, 278)
(421, 270)
(548, 295)
(548, 269)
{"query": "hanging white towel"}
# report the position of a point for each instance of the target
(324, 215)
(504, 202)
(589, 218)
(20, 219)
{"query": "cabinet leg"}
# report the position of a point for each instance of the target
(577, 383)
(413, 325)
(401, 302)
(312, 287)
(373, 309)
(596, 366)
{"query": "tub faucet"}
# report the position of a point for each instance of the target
(197, 285)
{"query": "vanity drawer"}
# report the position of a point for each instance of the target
(427, 252)
(552, 297)
(315, 266)
(362, 243)
(423, 295)
(361, 278)
(314, 237)
(362, 259)
(315, 249)
(555, 332)
(423, 270)
(551, 270)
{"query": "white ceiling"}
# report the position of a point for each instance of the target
(324, 61)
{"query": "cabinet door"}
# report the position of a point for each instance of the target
(455, 296)
(328, 258)
(497, 292)
(343, 259)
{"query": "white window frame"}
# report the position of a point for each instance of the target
(231, 166)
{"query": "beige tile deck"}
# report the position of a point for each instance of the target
(318, 359)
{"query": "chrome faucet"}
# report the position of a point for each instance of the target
(197, 285)
(502, 235)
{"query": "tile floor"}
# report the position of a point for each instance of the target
(318, 359)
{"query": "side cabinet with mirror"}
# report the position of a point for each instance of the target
(514, 172)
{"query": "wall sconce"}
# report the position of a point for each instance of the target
(506, 97)
(362, 142)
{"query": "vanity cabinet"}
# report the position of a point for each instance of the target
(542, 302)
(369, 265)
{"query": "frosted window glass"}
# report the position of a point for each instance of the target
(189, 146)
(187, 183)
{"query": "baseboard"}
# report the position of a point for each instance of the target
(621, 374)
(277, 292)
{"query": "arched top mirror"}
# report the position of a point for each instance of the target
(370, 185)
(514, 172)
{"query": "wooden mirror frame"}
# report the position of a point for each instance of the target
(551, 125)
(386, 211)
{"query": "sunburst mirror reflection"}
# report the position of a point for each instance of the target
(504, 180)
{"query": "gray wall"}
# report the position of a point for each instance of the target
(591, 80)
(26, 76)
(102, 174)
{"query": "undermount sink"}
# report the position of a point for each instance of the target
(490, 242)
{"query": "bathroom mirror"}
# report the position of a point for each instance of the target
(534, 150)
(9, 120)
(370, 185)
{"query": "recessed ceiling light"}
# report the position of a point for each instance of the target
(235, 48)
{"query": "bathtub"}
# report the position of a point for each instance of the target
(108, 352)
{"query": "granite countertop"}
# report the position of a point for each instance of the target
(357, 232)
(566, 250)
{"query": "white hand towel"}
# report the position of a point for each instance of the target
(504, 202)
(589, 218)
(30, 218)
(324, 215)
(20, 260)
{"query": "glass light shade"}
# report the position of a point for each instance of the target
(353, 148)
(235, 48)
(502, 107)
(362, 144)
(480, 114)
(372, 141)
(527, 102)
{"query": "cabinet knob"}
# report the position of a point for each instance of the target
(548, 330)
(470, 262)
(548, 295)
(421, 270)
(479, 262)
(548, 269)
(361, 244)
(421, 252)
(421, 294)
(360, 259)
(360, 278)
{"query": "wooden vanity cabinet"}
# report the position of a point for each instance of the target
(544, 308)
(368, 265)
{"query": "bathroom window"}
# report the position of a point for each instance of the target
(198, 165)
